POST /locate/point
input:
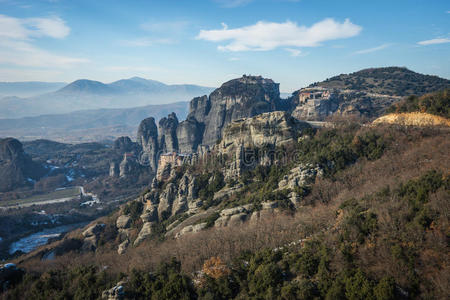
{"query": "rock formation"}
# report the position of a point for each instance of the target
(16, 167)
(124, 144)
(147, 138)
(168, 141)
(244, 97)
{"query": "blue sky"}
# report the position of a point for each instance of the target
(208, 42)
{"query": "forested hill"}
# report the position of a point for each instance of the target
(387, 81)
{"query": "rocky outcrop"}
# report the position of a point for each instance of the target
(191, 229)
(123, 247)
(168, 141)
(301, 176)
(232, 216)
(317, 103)
(16, 168)
(115, 293)
(147, 138)
(124, 144)
(91, 237)
(240, 98)
(144, 233)
(123, 222)
(274, 128)
(253, 141)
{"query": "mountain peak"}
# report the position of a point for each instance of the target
(86, 86)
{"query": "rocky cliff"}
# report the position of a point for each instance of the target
(16, 167)
(239, 98)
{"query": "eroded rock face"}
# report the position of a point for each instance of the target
(189, 134)
(168, 141)
(147, 138)
(272, 128)
(128, 166)
(264, 132)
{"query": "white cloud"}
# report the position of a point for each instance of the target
(434, 41)
(264, 36)
(293, 52)
(374, 49)
(17, 37)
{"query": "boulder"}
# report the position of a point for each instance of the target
(191, 229)
(115, 293)
(232, 211)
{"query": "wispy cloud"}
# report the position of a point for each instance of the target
(374, 49)
(264, 36)
(17, 37)
(27, 28)
(434, 41)
(293, 52)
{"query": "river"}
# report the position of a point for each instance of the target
(33, 241)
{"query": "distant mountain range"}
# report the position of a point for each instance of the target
(88, 94)
(88, 125)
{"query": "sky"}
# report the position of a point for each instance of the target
(207, 42)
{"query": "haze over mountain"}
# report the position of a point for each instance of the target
(88, 94)
(368, 92)
(28, 88)
(87, 125)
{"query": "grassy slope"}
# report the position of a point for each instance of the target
(394, 246)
